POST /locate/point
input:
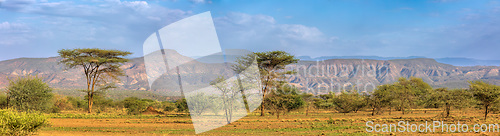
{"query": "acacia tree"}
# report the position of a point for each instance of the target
(408, 93)
(456, 98)
(272, 69)
(99, 66)
(485, 93)
(229, 96)
(200, 102)
(379, 98)
(348, 101)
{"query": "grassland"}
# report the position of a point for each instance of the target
(319, 122)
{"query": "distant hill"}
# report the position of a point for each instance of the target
(435, 73)
(451, 61)
(377, 72)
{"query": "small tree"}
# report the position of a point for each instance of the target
(487, 94)
(181, 105)
(309, 99)
(199, 103)
(457, 98)
(29, 93)
(230, 95)
(98, 65)
(348, 101)
(379, 98)
(271, 67)
(284, 99)
(407, 94)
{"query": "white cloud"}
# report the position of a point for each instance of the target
(301, 32)
(200, 1)
(7, 26)
(136, 4)
(263, 33)
(125, 25)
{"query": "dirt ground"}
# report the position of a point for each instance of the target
(290, 124)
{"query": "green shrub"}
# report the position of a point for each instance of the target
(181, 105)
(77, 102)
(29, 93)
(21, 123)
(168, 106)
(134, 105)
(3, 101)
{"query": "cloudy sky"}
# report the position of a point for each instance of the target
(430, 28)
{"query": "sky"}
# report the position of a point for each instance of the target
(399, 28)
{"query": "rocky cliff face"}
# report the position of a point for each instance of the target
(310, 74)
(345, 73)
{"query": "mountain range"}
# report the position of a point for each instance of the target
(448, 60)
(310, 74)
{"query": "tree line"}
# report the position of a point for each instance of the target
(101, 69)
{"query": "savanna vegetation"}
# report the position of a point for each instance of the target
(30, 106)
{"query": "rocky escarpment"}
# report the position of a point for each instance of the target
(310, 74)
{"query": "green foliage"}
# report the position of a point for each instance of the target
(29, 93)
(98, 65)
(271, 66)
(348, 101)
(168, 106)
(21, 123)
(76, 102)
(284, 99)
(134, 105)
(457, 98)
(322, 101)
(407, 94)
(181, 105)
(3, 101)
(487, 94)
(101, 102)
(379, 98)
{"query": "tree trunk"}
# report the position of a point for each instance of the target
(307, 110)
(390, 110)
(486, 111)
(447, 110)
(373, 111)
(90, 102)
(262, 105)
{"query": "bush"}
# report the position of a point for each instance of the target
(134, 105)
(29, 93)
(168, 106)
(77, 102)
(3, 101)
(21, 123)
(181, 105)
(61, 103)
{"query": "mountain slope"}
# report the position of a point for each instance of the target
(340, 71)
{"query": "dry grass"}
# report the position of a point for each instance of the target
(316, 123)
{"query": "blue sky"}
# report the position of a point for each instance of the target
(430, 28)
